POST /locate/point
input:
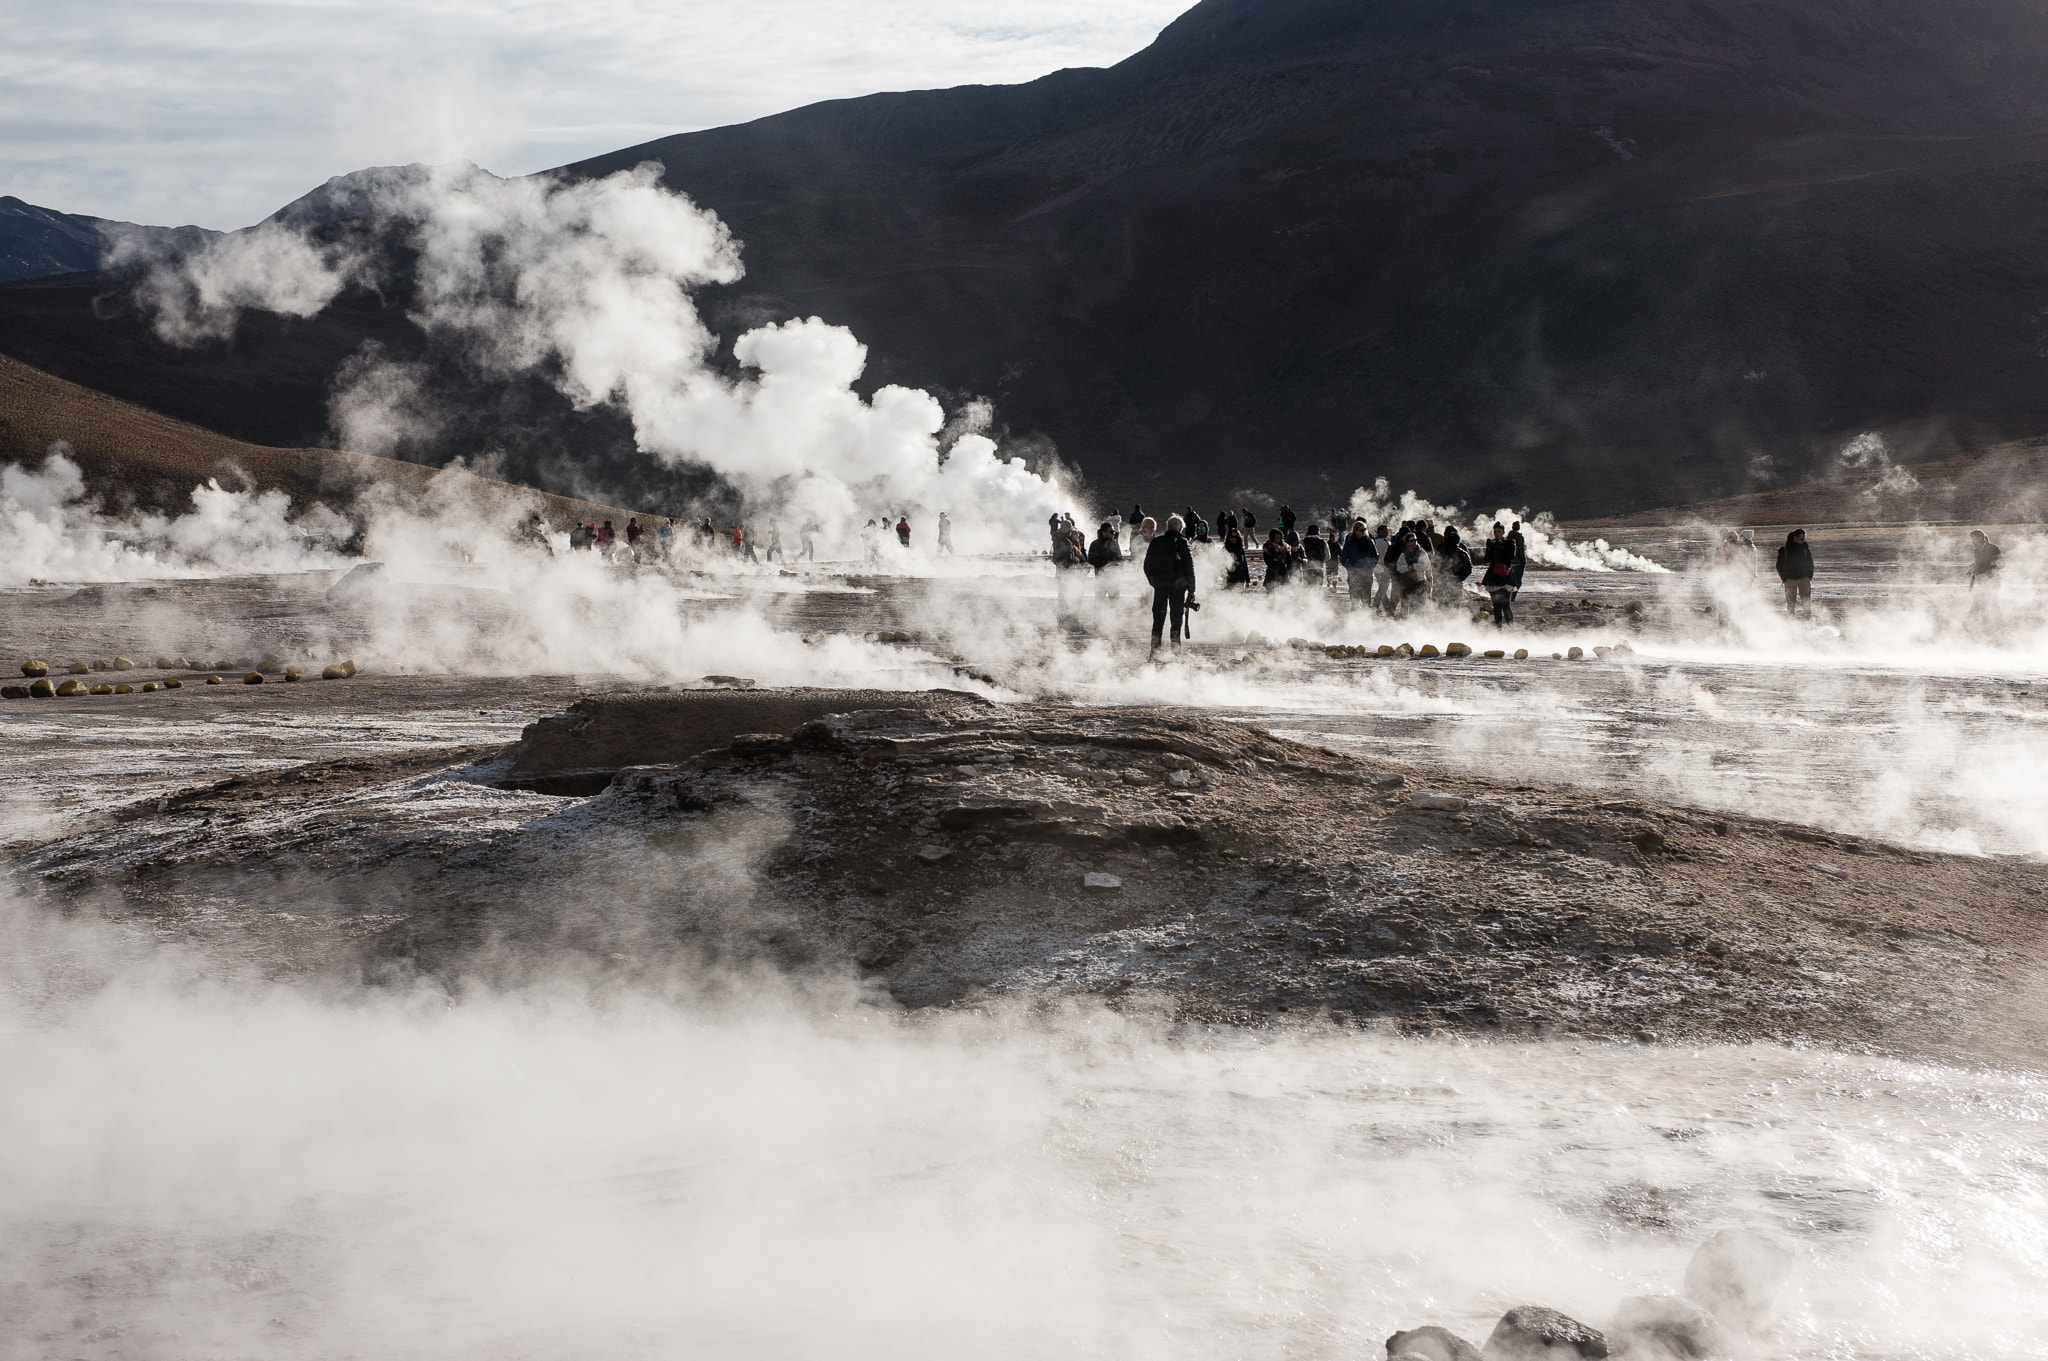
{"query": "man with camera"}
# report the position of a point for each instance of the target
(1170, 567)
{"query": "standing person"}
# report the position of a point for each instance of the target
(1106, 555)
(1521, 558)
(945, 536)
(1279, 559)
(1286, 517)
(1984, 564)
(605, 539)
(871, 541)
(1795, 569)
(1240, 573)
(1382, 572)
(665, 538)
(903, 530)
(1170, 568)
(1749, 551)
(1226, 520)
(1056, 531)
(1500, 570)
(775, 542)
(1453, 566)
(1409, 566)
(1116, 526)
(1315, 552)
(807, 537)
(1069, 565)
(1249, 523)
(1142, 536)
(633, 533)
(1360, 555)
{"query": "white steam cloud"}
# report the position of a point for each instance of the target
(591, 282)
(1542, 539)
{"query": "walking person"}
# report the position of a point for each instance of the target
(1795, 570)
(903, 530)
(945, 536)
(1286, 517)
(1240, 572)
(807, 537)
(1279, 559)
(633, 533)
(1360, 555)
(1521, 559)
(775, 543)
(1985, 560)
(1315, 555)
(1106, 555)
(665, 538)
(1170, 569)
(1499, 576)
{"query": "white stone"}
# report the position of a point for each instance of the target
(1101, 883)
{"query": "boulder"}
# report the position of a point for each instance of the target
(1435, 801)
(1496, 652)
(1575, 653)
(294, 673)
(102, 689)
(349, 666)
(1432, 1344)
(69, 688)
(101, 664)
(213, 680)
(1455, 650)
(1735, 1275)
(124, 689)
(167, 664)
(174, 684)
(13, 692)
(35, 670)
(253, 678)
(79, 669)
(1664, 1328)
(1530, 1332)
(1521, 654)
(269, 664)
(42, 689)
(123, 664)
(1383, 650)
(1426, 650)
(149, 687)
(336, 672)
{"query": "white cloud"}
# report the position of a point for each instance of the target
(220, 111)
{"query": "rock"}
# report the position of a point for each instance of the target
(1735, 1275)
(1557, 656)
(213, 680)
(1427, 650)
(722, 682)
(294, 673)
(1383, 650)
(123, 664)
(13, 692)
(1181, 777)
(102, 689)
(1134, 776)
(1602, 651)
(1101, 883)
(1496, 652)
(350, 666)
(1529, 1332)
(1575, 653)
(1454, 650)
(166, 664)
(42, 689)
(174, 684)
(334, 673)
(253, 678)
(1665, 1328)
(1435, 801)
(101, 664)
(1432, 1343)
(761, 744)
(124, 689)
(149, 687)
(70, 687)
(932, 855)
(1521, 654)
(34, 669)
(79, 669)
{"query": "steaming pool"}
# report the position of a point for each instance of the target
(200, 1165)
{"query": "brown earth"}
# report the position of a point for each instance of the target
(131, 455)
(938, 850)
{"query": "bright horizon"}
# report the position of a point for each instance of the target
(218, 112)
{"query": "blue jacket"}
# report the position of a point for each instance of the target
(1358, 555)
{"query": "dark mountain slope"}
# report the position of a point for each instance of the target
(38, 242)
(1594, 253)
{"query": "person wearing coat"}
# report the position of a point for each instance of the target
(1170, 568)
(1795, 570)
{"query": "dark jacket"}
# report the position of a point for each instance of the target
(1168, 563)
(1358, 554)
(1103, 552)
(1500, 563)
(1315, 548)
(1457, 562)
(1795, 561)
(1279, 562)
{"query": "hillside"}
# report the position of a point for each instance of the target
(133, 456)
(1596, 255)
(38, 242)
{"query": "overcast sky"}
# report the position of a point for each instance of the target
(220, 111)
